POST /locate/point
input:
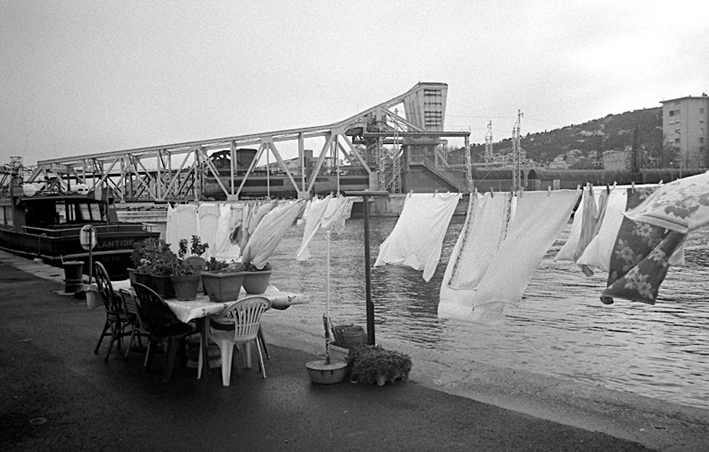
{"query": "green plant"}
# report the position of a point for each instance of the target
(142, 249)
(154, 256)
(214, 265)
(372, 364)
(183, 267)
(250, 267)
(197, 248)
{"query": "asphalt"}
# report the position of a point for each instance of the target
(57, 395)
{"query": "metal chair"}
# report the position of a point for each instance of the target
(116, 320)
(239, 324)
(160, 323)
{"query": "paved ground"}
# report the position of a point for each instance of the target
(58, 395)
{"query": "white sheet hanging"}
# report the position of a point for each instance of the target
(229, 220)
(313, 218)
(534, 224)
(269, 233)
(182, 224)
(485, 227)
(417, 238)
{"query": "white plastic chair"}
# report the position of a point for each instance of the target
(238, 324)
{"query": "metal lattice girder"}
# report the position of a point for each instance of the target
(178, 171)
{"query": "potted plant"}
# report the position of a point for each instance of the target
(186, 272)
(372, 364)
(143, 252)
(222, 280)
(158, 261)
(256, 280)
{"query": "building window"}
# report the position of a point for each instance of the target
(701, 111)
(677, 131)
(701, 140)
(672, 113)
(676, 140)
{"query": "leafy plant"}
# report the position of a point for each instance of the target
(372, 364)
(184, 267)
(154, 256)
(197, 248)
(250, 267)
(214, 265)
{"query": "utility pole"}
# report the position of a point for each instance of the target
(489, 156)
(516, 153)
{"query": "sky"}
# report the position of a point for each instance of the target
(84, 77)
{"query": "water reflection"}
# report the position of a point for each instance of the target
(561, 328)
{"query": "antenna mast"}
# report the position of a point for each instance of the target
(517, 153)
(488, 144)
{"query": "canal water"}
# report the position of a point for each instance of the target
(560, 329)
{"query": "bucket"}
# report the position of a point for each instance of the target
(73, 272)
(353, 336)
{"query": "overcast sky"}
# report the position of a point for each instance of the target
(80, 77)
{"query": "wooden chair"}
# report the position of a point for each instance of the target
(239, 324)
(116, 320)
(160, 323)
(130, 307)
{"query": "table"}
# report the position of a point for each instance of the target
(202, 309)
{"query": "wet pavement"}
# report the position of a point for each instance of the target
(58, 395)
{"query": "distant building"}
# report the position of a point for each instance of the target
(684, 125)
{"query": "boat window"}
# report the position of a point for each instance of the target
(90, 212)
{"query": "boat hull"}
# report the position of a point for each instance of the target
(54, 246)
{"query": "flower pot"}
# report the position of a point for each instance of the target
(222, 286)
(325, 374)
(144, 278)
(186, 286)
(132, 275)
(162, 285)
(198, 261)
(256, 282)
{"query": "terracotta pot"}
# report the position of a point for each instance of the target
(256, 282)
(186, 286)
(162, 285)
(222, 286)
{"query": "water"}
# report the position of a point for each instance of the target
(561, 328)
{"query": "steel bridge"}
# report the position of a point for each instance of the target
(363, 152)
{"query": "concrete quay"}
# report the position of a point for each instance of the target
(58, 395)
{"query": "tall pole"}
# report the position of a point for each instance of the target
(368, 273)
(367, 259)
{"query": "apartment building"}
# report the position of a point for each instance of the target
(684, 125)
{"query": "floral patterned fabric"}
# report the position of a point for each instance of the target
(681, 205)
(639, 261)
(642, 282)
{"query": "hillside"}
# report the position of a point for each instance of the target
(614, 132)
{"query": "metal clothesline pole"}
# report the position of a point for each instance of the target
(367, 259)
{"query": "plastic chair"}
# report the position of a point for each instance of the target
(116, 320)
(130, 307)
(239, 324)
(160, 323)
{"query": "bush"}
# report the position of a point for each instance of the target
(372, 364)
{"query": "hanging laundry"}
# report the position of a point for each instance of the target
(484, 228)
(535, 223)
(337, 211)
(269, 233)
(681, 205)
(182, 224)
(207, 220)
(568, 249)
(642, 282)
(229, 221)
(417, 238)
(590, 221)
(313, 218)
(597, 255)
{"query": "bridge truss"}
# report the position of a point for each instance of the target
(184, 172)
